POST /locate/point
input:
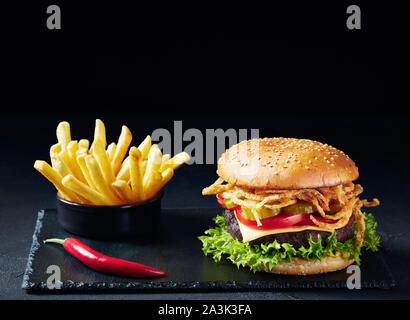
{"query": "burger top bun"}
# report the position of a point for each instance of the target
(285, 163)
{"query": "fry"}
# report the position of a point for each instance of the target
(83, 145)
(154, 159)
(151, 184)
(165, 158)
(101, 157)
(55, 148)
(52, 175)
(180, 158)
(75, 185)
(63, 196)
(152, 176)
(82, 152)
(98, 180)
(99, 134)
(124, 190)
(111, 150)
(121, 150)
(143, 167)
(84, 170)
(124, 173)
(65, 159)
(72, 149)
(165, 177)
(176, 161)
(135, 175)
(63, 134)
(56, 163)
(144, 147)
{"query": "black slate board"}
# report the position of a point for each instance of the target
(176, 250)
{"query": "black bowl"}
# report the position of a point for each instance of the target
(110, 222)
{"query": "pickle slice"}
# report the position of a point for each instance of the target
(229, 204)
(299, 207)
(262, 212)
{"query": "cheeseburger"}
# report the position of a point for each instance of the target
(291, 207)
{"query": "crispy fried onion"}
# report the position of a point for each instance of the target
(283, 203)
(373, 203)
(344, 216)
(335, 203)
(361, 226)
(253, 196)
(332, 226)
(216, 187)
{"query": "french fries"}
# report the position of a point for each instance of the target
(124, 190)
(111, 150)
(65, 159)
(72, 149)
(101, 157)
(84, 170)
(165, 177)
(99, 134)
(56, 162)
(144, 147)
(99, 181)
(83, 145)
(165, 158)
(70, 182)
(53, 176)
(124, 142)
(63, 134)
(124, 173)
(176, 161)
(135, 174)
(101, 175)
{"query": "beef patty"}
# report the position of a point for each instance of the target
(297, 239)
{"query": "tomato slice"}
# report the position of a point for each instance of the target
(221, 201)
(282, 220)
(308, 222)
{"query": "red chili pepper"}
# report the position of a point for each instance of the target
(102, 263)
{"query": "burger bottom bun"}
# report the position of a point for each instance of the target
(304, 267)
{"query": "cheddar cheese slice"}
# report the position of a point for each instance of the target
(249, 234)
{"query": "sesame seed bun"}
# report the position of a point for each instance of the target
(304, 267)
(285, 163)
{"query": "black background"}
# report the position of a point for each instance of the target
(290, 70)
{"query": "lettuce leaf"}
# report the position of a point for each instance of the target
(371, 241)
(219, 243)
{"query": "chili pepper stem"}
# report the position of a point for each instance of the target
(60, 241)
